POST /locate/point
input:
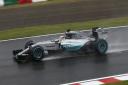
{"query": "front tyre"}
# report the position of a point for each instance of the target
(101, 46)
(37, 53)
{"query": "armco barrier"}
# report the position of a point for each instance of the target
(11, 2)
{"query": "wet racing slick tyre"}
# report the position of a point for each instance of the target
(101, 46)
(37, 53)
(29, 43)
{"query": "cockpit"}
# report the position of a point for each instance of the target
(72, 35)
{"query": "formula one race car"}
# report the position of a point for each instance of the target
(70, 42)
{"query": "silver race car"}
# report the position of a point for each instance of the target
(70, 42)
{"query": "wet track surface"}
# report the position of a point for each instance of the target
(64, 68)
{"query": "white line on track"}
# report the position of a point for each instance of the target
(57, 57)
(55, 34)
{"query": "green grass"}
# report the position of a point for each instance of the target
(119, 83)
(47, 29)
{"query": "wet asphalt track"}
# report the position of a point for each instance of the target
(64, 68)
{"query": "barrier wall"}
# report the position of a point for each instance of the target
(11, 2)
(25, 1)
(38, 0)
(1, 2)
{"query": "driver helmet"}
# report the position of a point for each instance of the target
(68, 34)
(94, 29)
(68, 30)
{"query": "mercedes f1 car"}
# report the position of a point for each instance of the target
(70, 42)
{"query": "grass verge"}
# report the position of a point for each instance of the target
(47, 29)
(120, 83)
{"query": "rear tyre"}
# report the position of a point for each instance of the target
(37, 53)
(29, 43)
(101, 46)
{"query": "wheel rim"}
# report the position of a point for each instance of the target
(37, 53)
(102, 46)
